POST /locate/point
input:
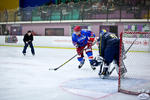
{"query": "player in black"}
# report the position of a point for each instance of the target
(28, 38)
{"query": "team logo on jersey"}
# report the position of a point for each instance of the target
(113, 36)
(82, 38)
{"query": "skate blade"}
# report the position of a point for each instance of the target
(80, 66)
(103, 76)
(94, 68)
(123, 75)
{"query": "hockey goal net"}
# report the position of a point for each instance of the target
(136, 46)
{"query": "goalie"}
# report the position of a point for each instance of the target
(109, 52)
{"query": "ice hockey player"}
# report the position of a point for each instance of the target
(83, 41)
(28, 38)
(109, 51)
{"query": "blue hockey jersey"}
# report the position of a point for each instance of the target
(82, 39)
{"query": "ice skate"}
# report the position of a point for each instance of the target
(24, 54)
(93, 67)
(123, 72)
(104, 74)
(81, 63)
(94, 63)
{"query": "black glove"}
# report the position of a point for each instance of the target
(94, 62)
(29, 42)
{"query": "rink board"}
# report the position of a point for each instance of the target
(66, 42)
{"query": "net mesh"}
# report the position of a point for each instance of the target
(137, 62)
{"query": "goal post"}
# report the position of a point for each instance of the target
(137, 62)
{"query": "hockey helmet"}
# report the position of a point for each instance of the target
(77, 28)
(102, 31)
(29, 31)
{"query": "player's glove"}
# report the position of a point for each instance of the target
(77, 46)
(26, 42)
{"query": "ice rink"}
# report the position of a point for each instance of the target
(28, 78)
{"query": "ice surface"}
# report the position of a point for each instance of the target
(28, 78)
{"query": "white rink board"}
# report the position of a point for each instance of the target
(141, 44)
(48, 41)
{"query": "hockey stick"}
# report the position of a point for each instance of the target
(111, 70)
(100, 71)
(63, 63)
(69, 59)
(130, 46)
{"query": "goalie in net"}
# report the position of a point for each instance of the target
(108, 53)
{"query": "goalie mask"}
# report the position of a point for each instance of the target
(102, 31)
